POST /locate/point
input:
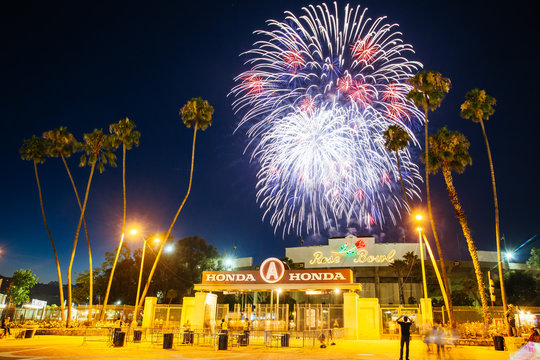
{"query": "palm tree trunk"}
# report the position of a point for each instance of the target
(401, 295)
(162, 245)
(60, 285)
(460, 214)
(91, 274)
(401, 181)
(77, 238)
(102, 315)
(432, 222)
(497, 231)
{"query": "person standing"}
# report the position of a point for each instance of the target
(5, 326)
(405, 323)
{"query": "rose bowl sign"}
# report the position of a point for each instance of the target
(273, 271)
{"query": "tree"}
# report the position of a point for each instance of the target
(534, 259)
(460, 298)
(470, 287)
(171, 295)
(400, 269)
(522, 288)
(23, 281)
(449, 151)
(197, 113)
(396, 139)
(98, 151)
(35, 150)
(479, 106)
(63, 144)
(122, 133)
(428, 91)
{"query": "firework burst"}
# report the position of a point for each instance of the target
(315, 102)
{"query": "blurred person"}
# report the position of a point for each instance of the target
(438, 336)
(535, 336)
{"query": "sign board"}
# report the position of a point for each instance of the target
(350, 251)
(273, 271)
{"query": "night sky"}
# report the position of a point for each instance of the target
(86, 65)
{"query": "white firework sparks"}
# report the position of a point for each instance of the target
(315, 103)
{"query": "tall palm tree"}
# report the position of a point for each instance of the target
(428, 91)
(63, 144)
(449, 151)
(478, 106)
(122, 133)
(35, 149)
(397, 139)
(197, 113)
(98, 151)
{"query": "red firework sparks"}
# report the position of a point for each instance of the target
(307, 104)
(361, 93)
(364, 50)
(344, 84)
(294, 60)
(392, 93)
(255, 84)
(396, 111)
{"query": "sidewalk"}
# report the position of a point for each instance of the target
(70, 347)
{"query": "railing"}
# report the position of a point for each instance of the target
(206, 338)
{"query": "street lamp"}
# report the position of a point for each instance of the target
(419, 218)
(137, 302)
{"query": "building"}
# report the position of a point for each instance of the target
(371, 265)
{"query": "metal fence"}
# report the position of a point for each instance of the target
(206, 338)
(79, 313)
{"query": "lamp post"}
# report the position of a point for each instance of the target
(419, 229)
(137, 301)
(278, 291)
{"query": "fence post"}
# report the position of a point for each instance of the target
(442, 313)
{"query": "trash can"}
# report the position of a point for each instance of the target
(168, 340)
(222, 341)
(137, 335)
(498, 342)
(119, 338)
(285, 340)
(243, 340)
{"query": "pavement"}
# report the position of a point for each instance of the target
(71, 347)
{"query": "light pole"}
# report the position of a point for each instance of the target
(419, 229)
(137, 302)
(278, 291)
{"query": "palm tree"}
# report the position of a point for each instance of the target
(478, 106)
(449, 151)
(397, 139)
(428, 91)
(400, 268)
(171, 294)
(35, 149)
(98, 151)
(63, 144)
(124, 134)
(197, 113)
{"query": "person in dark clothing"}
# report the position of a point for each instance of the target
(5, 326)
(405, 323)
